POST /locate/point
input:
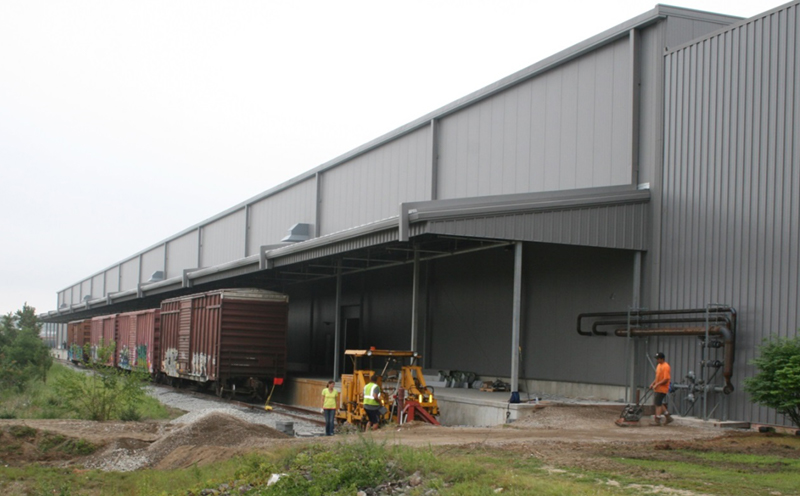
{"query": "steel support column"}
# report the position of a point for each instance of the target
(516, 320)
(337, 325)
(414, 302)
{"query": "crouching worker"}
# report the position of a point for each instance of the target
(372, 404)
(660, 387)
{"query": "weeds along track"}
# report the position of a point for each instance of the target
(197, 402)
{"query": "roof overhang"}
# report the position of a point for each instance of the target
(609, 217)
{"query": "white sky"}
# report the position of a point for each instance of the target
(124, 122)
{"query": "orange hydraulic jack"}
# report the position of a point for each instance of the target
(409, 409)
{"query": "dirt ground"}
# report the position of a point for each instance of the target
(557, 434)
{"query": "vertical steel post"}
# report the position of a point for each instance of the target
(704, 364)
(414, 302)
(338, 323)
(515, 319)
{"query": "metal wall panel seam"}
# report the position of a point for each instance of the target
(200, 246)
(246, 230)
(635, 94)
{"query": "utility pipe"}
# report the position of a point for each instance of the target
(716, 320)
(634, 313)
(726, 333)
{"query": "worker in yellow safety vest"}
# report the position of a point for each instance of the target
(372, 404)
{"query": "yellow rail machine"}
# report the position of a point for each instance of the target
(404, 394)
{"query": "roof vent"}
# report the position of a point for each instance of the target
(157, 276)
(298, 232)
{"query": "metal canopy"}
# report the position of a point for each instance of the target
(609, 217)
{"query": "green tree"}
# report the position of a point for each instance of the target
(777, 383)
(23, 355)
(8, 329)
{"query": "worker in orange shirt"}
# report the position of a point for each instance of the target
(660, 386)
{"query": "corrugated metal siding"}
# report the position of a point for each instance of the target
(470, 310)
(104, 332)
(223, 240)
(614, 226)
(138, 337)
(79, 333)
(98, 286)
(129, 275)
(203, 346)
(253, 338)
(371, 186)
(112, 280)
(567, 128)
(271, 218)
(75, 294)
(182, 254)
(126, 340)
(731, 227)
(152, 261)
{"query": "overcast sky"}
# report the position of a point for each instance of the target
(124, 122)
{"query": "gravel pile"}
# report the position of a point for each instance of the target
(211, 429)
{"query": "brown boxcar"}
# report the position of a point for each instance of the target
(138, 334)
(104, 332)
(234, 339)
(79, 332)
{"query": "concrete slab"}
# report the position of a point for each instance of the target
(472, 407)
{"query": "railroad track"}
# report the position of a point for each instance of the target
(288, 410)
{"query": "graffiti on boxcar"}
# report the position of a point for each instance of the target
(76, 353)
(141, 355)
(199, 364)
(124, 358)
(171, 362)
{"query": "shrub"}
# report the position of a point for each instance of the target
(777, 383)
(23, 356)
(103, 393)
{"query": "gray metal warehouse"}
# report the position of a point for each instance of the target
(637, 192)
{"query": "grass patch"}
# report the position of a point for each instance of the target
(725, 473)
(37, 480)
(362, 464)
(346, 468)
